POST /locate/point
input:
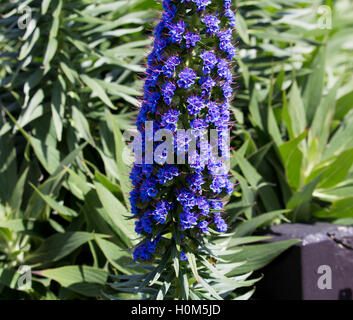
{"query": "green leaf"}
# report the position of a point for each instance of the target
(22, 225)
(8, 168)
(59, 208)
(193, 266)
(337, 171)
(249, 171)
(45, 6)
(321, 124)
(242, 28)
(33, 110)
(340, 209)
(314, 86)
(122, 168)
(50, 53)
(16, 197)
(296, 111)
(255, 110)
(248, 227)
(118, 257)
(58, 100)
(58, 246)
(273, 127)
(257, 256)
(80, 124)
(343, 105)
(9, 277)
(95, 86)
(292, 158)
(341, 140)
(85, 280)
(334, 193)
(28, 46)
(118, 214)
(304, 195)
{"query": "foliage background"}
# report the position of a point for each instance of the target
(70, 84)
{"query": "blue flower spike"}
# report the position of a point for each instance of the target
(188, 86)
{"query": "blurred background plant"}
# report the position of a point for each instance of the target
(70, 82)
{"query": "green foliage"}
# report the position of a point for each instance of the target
(70, 86)
(60, 148)
(298, 147)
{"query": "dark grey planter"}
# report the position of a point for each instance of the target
(320, 267)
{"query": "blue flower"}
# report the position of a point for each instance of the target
(198, 125)
(183, 256)
(144, 224)
(186, 78)
(191, 39)
(213, 112)
(219, 222)
(167, 173)
(225, 42)
(168, 92)
(176, 31)
(216, 204)
(151, 101)
(187, 198)
(186, 87)
(224, 71)
(169, 67)
(195, 104)
(231, 16)
(209, 61)
(144, 250)
(161, 211)
(203, 226)
(188, 220)
(227, 91)
(227, 4)
(202, 4)
(207, 83)
(195, 181)
(203, 205)
(212, 24)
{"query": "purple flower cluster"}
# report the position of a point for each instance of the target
(195, 104)
(186, 87)
(191, 39)
(186, 78)
(176, 31)
(161, 211)
(169, 119)
(212, 24)
(225, 42)
(170, 65)
(209, 61)
(168, 92)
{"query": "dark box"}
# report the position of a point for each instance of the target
(320, 267)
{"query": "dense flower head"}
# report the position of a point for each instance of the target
(212, 23)
(207, 83)
(167, 173)
(168, 92)
(176, 31)
(170, 65)
(169, 120)
(202, 4)
(186, 78)
(231, 16)
(195, 104)
(191, 39)
(161, 211)
(209, 61)
(188, 86)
